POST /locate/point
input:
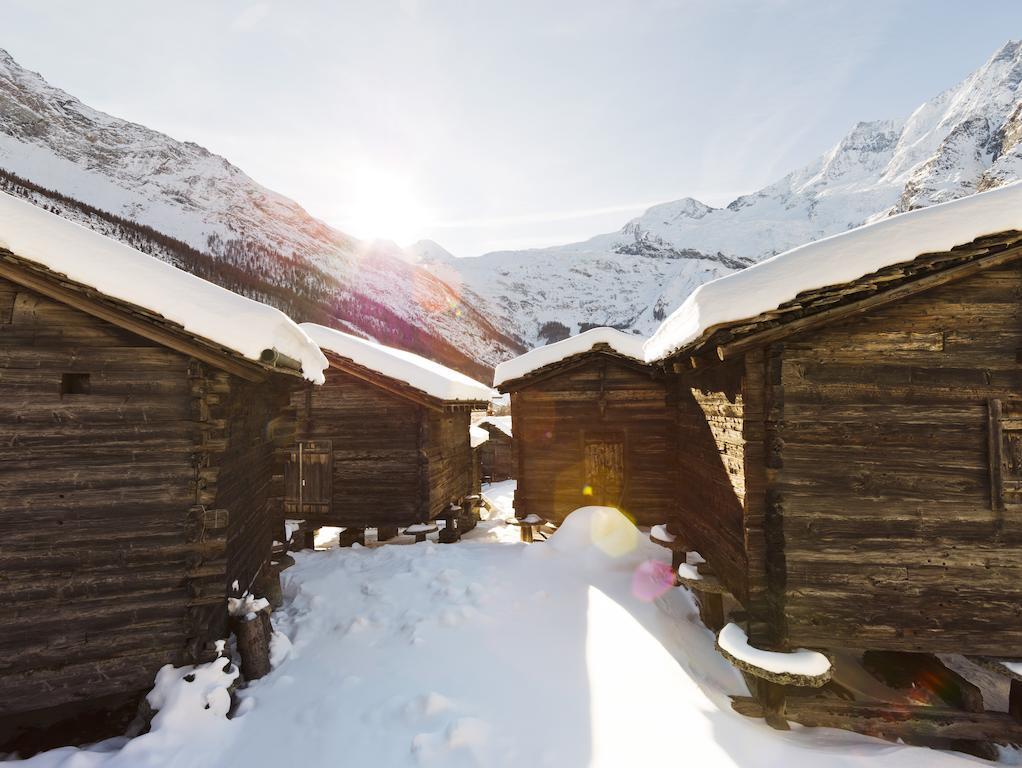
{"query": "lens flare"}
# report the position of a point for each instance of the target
(612, 532)
(652, 579)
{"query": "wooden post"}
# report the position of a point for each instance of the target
(267, 585)
(1015, 700)
(386, 532)
(254, 645)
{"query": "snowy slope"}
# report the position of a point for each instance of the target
(181, 190)
(964, 140)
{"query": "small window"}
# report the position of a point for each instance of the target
(75, 384)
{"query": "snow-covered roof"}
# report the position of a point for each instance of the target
(418, 372)
(626, 344)
(477, 436)
(834, 260)
(120, 272)
(503, 423)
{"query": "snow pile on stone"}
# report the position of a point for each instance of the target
(477, 436)
(503, 423)
(802, 662)
(424, 375)
(112, 268)
(834, 260)
(626, 344)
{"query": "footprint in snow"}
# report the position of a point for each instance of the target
(460, 743)
(426, 706)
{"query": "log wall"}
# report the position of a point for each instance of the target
(497, 459)
(448, 456)
(376, 442)
(109, 568)
(711, 470)
(601, 398)
(892, 537)
(95, 491)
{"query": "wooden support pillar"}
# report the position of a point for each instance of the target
(773, 698)
(678, 556)
(309, 538)
(386, 532)
(711, 610)
(1015, 700)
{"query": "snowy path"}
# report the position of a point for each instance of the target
(501, 497)
(496, 654)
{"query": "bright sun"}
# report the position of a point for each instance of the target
(384, 206)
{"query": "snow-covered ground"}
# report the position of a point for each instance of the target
(500, 497)
(485, 653)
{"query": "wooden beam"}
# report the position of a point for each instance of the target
(570, 363)
(377, 380)
(910, 288)
(123, 319)
(892, 720)
(995, 443)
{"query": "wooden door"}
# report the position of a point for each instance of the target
(308, 480)
(605, 471)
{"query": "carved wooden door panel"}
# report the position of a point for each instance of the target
(308, 480)
(605, 471)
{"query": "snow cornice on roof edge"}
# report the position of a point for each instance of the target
(426, 376)
(625, 344)
(115, 270)
(834, 260)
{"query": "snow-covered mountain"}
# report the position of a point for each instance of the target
(198, 210)
(966, 139)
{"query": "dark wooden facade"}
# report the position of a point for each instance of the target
(374, 452)
(851, 463)
(595, 428)
(497, 456)
(134, 470)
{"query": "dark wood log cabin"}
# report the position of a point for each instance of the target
(497, 454)
(384, 443)
(592, 426)
(134, 466)
(851, 461)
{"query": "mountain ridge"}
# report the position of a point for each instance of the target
(963, 140)
(99, 164)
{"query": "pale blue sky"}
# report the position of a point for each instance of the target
(502, 124)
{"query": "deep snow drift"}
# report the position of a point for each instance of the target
(568, 653)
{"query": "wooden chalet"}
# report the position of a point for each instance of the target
(384, 443)
(850, 463)
(592, 426)
(497, 453)
(134, 470)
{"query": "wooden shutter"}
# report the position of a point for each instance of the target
(1005, 444)
(308, 480)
